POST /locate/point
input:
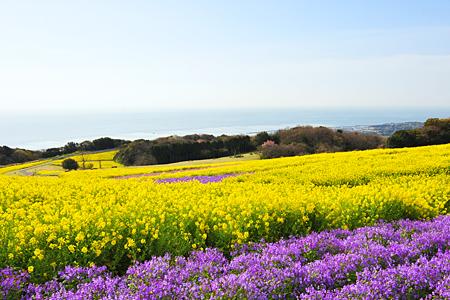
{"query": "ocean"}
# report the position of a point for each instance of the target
(45, 130)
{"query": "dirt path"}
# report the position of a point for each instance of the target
(31, 171)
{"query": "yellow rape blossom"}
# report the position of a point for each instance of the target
(49, 218)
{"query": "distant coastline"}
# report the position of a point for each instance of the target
(39, 131)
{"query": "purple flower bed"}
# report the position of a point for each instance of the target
(201, 178)
(401, 260)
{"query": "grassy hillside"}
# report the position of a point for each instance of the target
(104, 160)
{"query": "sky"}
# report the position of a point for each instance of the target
(96, 56)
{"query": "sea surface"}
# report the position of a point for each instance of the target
(44, 130)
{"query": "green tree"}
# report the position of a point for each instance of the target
(261, 137)
(70, 164)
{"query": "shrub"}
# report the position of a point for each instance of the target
(70, 164)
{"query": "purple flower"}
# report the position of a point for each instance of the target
(201, 178)
(401, 260)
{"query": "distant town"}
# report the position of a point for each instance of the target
(386, 129)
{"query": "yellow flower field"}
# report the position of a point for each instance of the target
(87, 217)
(103, 159)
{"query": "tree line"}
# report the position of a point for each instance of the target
(285, 142)
(16, 155)
(434, 132)
(13, 156)
(303, 140)
(103, 143)
(181, 148)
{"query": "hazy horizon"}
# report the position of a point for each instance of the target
(45, 130)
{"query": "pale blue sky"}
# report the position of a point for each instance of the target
(142, 55)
